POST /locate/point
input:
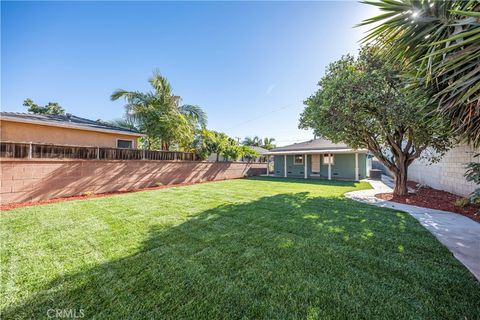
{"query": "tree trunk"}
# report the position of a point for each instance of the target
(401, 179)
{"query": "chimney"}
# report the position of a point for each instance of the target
(69, 116)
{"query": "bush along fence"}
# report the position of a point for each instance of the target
(49, 151)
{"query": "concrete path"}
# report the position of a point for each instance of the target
(458, 233)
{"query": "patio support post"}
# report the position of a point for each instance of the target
(285, 165)
(268, 169)
(356, 167)
(329, 167)
(30, 151)
(305, 167)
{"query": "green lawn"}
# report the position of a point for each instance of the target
(250, 248)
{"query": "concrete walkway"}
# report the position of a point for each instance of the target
(459, 234)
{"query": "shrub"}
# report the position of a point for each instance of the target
(461, 202)
(473, 174)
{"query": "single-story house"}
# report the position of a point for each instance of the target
(321, 158)
(64, 130)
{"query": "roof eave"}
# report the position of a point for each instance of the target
(316, 151)
(71, 126)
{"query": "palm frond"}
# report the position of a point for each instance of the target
(440, 42)
(196, 113)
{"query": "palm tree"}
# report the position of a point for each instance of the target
(249, 141)
(160, 116)
(440, 42)
(195, 114)
(268, 143)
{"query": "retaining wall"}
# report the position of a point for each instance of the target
(41, 179)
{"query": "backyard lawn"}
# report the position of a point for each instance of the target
(249, 248)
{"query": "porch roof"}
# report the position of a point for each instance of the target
(317, 151)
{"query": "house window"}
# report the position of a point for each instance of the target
(125, 144)
(298, 159)
(328, 159)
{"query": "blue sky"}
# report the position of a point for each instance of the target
(250, 65)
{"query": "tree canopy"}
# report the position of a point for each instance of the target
(439, 41)
(361, 102)
(210, 142)
(50, 108)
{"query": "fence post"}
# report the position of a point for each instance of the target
(143, 154)
(30, 151)
(98, 153)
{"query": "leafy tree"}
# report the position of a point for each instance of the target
(361, 102)
(160, 116)
(440, 43)
(248, 153)
(209, 142)
(51, 108)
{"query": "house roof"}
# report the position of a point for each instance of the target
(67, 121)
(314, 146)
(260, 150)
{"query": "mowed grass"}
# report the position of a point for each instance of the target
(250, 248)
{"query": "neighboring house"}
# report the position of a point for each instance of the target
(64, 130)
(321, 158)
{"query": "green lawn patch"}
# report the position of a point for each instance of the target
(251, 248)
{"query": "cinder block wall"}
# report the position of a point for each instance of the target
(33, 180)
(448, 173)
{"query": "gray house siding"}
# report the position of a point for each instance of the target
(343, 167)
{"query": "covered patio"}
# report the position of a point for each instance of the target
(320, 158)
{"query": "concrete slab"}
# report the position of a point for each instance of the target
(458, 233)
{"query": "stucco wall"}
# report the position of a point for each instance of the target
(343, 167)
(27, 132)
(448, 173)
(27, 180)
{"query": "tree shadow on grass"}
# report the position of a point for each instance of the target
(283, 256)
(319, 181)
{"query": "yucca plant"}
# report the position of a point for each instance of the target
(440, 42)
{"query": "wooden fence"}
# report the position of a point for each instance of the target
(49, 151)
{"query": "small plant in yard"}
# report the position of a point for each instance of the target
(158, 183)
(461, 202)
(422, 186)
(87, 193)
(473, 174)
